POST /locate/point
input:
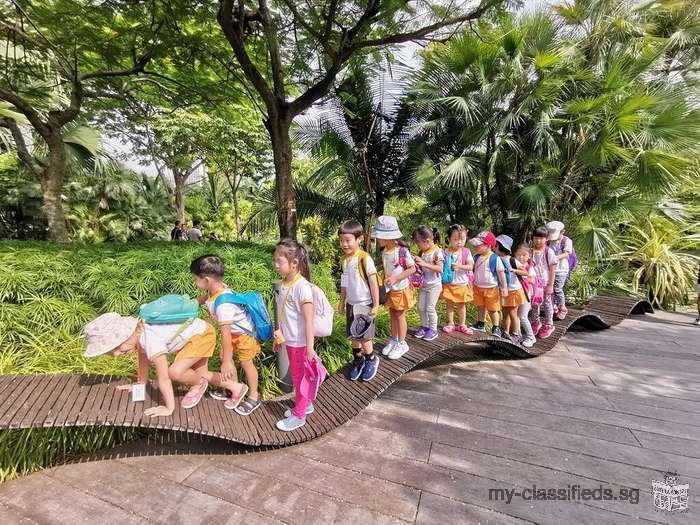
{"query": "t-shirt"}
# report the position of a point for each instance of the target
(390, 261)
(230, 314)
(291, 318)
(460, 276)
(355, 283)
(158, 339)
(515, 283)
(541, 262)
(433, 256)
(559, 247)
(483, 278)
(194, 234)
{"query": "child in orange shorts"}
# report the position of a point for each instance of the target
(489, 278)
(237, 333)
(398, 266)
(516, 295)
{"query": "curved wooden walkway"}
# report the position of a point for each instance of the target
(89, 400)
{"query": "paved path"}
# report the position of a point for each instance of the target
(614, 409)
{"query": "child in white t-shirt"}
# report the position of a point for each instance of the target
(398, 266)
(296, 323)
(359, 294)
(563, 247)
(237, 333)
(430, 261)
(458, 291)
(544, 262)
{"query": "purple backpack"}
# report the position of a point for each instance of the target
(416, 279)
(573, 259)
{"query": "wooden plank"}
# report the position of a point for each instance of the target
(46, 416)
(39, 396)
(35, 417)
(18, 398)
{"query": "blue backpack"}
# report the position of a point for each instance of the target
(169, 309)
(254, 305)
(448, 274)
(492, 266)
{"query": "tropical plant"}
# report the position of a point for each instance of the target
(360, 142)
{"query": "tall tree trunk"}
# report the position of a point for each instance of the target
(237, 213)
(180, 179)
(278, 127)
(52, 186)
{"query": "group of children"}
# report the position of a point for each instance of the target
(497, 277)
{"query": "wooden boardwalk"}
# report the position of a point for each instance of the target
(87, 400)
(614, 408)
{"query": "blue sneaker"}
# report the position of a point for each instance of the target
(420, 333)
(371, 367)
(356, 368)
(430, 335)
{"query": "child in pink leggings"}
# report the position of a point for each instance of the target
(296, 323)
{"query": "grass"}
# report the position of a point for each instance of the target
(49, 292)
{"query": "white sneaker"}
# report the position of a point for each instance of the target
(528, 342)
(290, 423)
(309, 410)
(399, 350)
(389, 347)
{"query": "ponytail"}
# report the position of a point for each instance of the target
(292, 250)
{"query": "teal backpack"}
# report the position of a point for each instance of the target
(169, 309)
(492, 267)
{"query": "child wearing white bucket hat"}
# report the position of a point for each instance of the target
(516, 295)
(192, 342)
(563, 247)
(398, 265)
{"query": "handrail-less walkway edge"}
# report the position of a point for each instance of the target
(70, 400)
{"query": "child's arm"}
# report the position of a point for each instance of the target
(227, 368)
(550, 281)
(142, 366)
(166, 389)
(374, 290)
(341, 302)
(400, 277)
(307, 310)
(502, 281)
(429, 266)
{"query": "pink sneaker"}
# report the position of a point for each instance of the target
(463, 328)
(536, 325)
(545, 331)
(194, 394)
(448, 328)
(561, 313)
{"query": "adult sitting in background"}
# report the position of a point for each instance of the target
(178, 232)
(195, 233)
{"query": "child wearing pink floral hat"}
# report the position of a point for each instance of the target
(193, 343)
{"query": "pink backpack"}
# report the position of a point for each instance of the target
(323, 313)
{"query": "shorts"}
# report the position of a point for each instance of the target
(457, 293)
(401, 300)
(245, 346)
(199, 346)
(350, 316)
(515, 298)
(488, 297)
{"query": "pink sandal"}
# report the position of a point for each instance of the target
(448, 328)
(463, 328)
(194, 394)
(232, 402)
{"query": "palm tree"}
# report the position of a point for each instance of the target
(360, 141)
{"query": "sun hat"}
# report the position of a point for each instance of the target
(506, 242)
(360, 327)
(387, 228)
(107, 332)
(314, 374)
(554, 228)
(487, 238)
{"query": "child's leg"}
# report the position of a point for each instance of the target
(482, 313)
(431, 316)
(514, 321)
(401, 324)
(559, 296)
(525, 327)
(534, 313)
(297, 356)
(506, 318)
(462, 307)
(251, 377)
(495, 318)
(548, 310)
(367, 347)
(188, 371)
(422, 307)
(394, 324)
(450, 313)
